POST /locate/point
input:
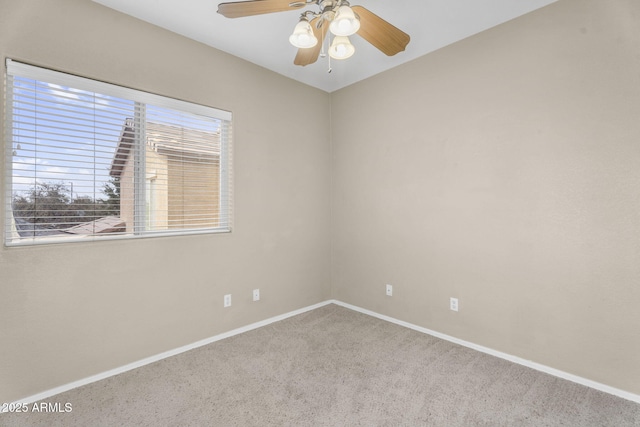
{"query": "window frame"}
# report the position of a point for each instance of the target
(225, 211)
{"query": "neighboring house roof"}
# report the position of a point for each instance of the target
(30, 229)
(167, 140)
(124, 148)
(108, 224)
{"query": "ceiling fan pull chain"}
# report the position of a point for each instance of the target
(329, 58)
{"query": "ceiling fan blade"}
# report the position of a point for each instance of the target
(389, 39)
(309, 55)
(239, 9)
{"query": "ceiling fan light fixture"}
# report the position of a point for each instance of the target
(341, 48)
(333, 19)
(345, 23)
(302, 36)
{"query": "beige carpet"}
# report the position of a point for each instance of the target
(334, 367)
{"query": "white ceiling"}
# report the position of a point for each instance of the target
(263, 39)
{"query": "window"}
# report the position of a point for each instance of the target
(91, 160)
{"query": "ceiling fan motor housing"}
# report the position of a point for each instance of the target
(327, 8)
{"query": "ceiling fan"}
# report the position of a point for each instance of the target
(342, 20)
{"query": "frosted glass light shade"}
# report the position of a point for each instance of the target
(341, 48)
(345, 23)
(302, 36)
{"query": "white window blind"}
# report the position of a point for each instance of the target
(91, 160)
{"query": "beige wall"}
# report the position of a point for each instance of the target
(70, 311)
(503, 170)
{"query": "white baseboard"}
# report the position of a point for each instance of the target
(93, 378)
(524, 362)
(528, 363)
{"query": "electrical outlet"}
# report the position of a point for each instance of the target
(389, 290)
(256, 294)
(453, 304)
(227, 300)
